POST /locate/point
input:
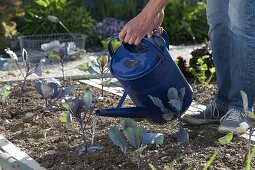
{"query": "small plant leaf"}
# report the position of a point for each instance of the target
(172, 93)
(209, 162)
(3, 62)
(65, 91)
(117, 137)
(84, 67)
(245, 99)
(134, 136)
(128, 123)
(226, 139)
(152, 167)
(88, 98)
(53, 80)
(92, 71)
(176, 104)
(38, 70)
(152, 138)
(168, 116)
(182, 136)
(157, 101)
(102, 61)
(24, 55)
(11, 54)
(181, 93)
(65, 117)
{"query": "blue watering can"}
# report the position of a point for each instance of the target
(146, 70)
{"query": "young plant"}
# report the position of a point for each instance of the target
(250, 126)
(28, 71)
(99, 69)
(199, 72)
(133, 139)
(5, 93)
(61, 52)
(175, 103)
(81, 109)
(222, 141)
(51, 90)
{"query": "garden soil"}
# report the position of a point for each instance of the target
(54, 144)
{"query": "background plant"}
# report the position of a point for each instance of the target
(124, 10)
(185, 21)
(28, 71)
(199, 72)
(9, 10)
(75, 17)
(133, 139)
(99, 68)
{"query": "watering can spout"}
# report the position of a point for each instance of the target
(131, 112)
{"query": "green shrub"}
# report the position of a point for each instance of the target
(119, 9)
(8, 11)
(185, 21)
(70, 13)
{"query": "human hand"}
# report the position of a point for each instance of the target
(139, 26)
(136, 29)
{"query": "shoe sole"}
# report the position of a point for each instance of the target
(227, 129)
(194, 121)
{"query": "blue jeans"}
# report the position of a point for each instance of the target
(232, 38)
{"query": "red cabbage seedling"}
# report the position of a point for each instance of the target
(28, 70)
(175, 103)
(99, 69)
(136, 136)
(51, 91)
(81, 109)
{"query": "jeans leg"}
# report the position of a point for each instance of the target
(242, 28)
(218, 20)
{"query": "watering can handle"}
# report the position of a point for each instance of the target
(143, 41)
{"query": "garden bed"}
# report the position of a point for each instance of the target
(53, 144)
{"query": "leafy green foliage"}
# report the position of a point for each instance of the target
(115, 44)
(71, 13)
(136, 136)
(199, 72)
(124, 10)
(185, 21)
(10, 9)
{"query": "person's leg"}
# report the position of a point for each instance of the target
(242, 62)
(218, 21)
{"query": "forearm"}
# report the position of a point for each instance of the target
(153, 7)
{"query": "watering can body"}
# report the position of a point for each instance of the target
(146, 70)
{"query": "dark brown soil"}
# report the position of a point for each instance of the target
(54, 144)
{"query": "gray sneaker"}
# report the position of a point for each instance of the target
(211, 114)
(231, 122)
